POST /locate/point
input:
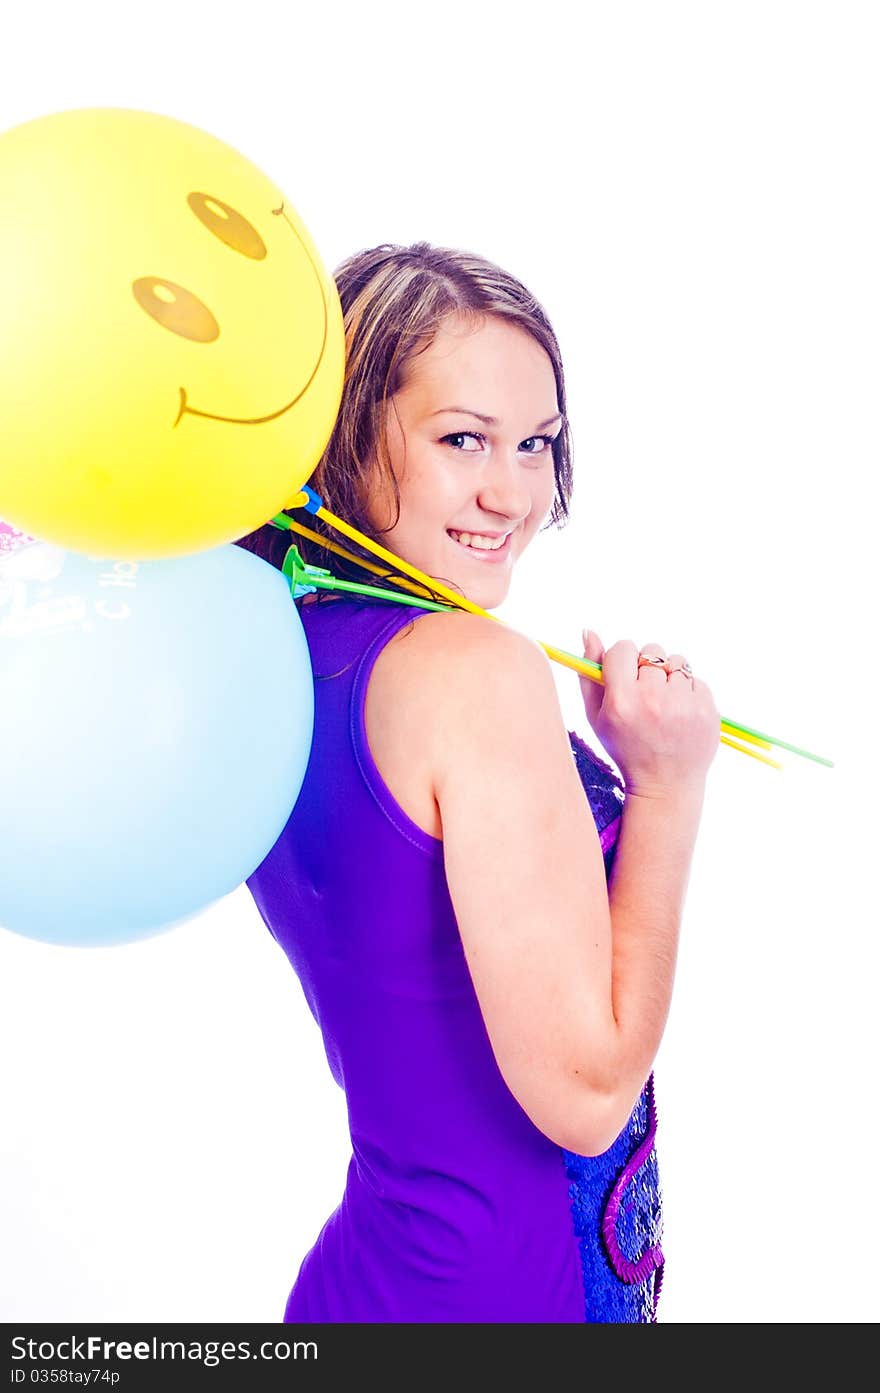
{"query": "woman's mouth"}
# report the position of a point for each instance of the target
(482, 552)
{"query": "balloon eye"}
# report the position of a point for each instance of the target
(176, 309)
(228, 225)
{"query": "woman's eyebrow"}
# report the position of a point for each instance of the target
(493, 420)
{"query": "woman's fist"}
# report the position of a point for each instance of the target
(662, 730)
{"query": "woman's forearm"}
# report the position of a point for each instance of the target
(646, 891)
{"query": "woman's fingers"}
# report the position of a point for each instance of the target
(651, 672)
(675, 661)
(620, 663)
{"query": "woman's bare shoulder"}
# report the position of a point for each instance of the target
(433, 675)
(462, 635)
(416, 667)
(461, 668)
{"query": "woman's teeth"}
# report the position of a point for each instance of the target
(470, 539)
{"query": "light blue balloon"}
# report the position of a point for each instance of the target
(156, 720)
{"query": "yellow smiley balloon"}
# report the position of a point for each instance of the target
(171, 346)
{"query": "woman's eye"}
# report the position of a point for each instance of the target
(544, 441)
(463, 435)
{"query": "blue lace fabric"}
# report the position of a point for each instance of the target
(616, 1201)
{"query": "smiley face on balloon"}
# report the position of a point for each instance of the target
(172, 345)
(181, 312)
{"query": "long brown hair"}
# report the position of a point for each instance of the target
(393, 300)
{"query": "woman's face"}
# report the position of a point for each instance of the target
(469, 437)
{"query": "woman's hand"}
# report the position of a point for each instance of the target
(661, 732)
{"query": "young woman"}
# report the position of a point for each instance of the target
(489, 954)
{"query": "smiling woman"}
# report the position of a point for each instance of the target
(476, 327)
(442, 888)
(487, 493)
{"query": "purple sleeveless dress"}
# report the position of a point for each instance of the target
(456, 1207)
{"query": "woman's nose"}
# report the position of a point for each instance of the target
(505, 490)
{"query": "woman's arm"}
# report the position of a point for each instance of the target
(574, 985)
(646, 895)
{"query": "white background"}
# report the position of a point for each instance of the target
(691, 191)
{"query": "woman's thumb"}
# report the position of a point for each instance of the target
(591, 689)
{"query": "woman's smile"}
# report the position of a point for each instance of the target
(482, 551)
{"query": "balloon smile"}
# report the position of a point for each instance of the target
(186, 409)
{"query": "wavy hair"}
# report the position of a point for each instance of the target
(394, 299)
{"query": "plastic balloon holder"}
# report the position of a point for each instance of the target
(305, 579)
